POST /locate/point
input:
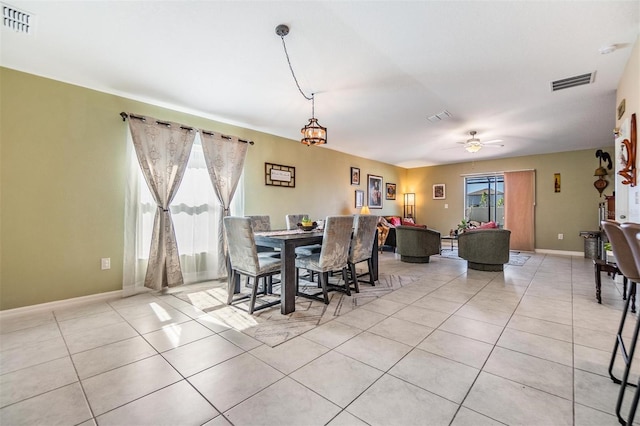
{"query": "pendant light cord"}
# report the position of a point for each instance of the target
(284, 45)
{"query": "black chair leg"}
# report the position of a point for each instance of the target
(231, 287)
(254, 291)
(324, 280)
(354, 276)
(370, 266)
(347, 283)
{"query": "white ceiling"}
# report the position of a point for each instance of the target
(379, 68)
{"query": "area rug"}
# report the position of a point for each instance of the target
(516, 258)
(269, 325)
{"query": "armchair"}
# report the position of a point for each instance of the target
(416, 244)
(485, 249)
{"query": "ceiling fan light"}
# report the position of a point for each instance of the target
(473, 147)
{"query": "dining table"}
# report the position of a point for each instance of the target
(287, 241)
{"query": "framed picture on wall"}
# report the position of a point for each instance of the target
(355, 176)
(391, 191)
(374, 189)
(359, 198)
(439, 191)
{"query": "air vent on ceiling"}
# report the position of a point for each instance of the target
(17, 20)
(439, 116)
(578, 80)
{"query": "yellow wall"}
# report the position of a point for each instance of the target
(629, 86)
(629, 90)
(63, 179)
(572, 210)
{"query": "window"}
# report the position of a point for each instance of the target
(484, 198)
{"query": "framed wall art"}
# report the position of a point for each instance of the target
(374, 189)
(391, 191)
(279, 175)
(355, 176)
(556, 182)
(359, 198)
(439, 191)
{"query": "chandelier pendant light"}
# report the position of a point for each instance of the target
(313, 133)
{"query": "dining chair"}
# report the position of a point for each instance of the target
(333, 256)
(245, 260)
(624, 249)
(293, 220)
(623, 253)
(292, 223)
(360, 250)
(262, 223)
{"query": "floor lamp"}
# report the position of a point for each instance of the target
(409, 205)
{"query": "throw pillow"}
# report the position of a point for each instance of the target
(395, 221)
(488, 225)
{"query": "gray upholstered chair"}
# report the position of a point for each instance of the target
(625, 249)
(364, 232)
(292, 223)
(245, 260)
(260, 223)
(485, 249)
(415, 244)
(293, 220)
(332, 257)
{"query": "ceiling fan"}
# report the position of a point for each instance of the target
(474, 144)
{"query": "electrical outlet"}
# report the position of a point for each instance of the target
(446, 206)
(561, 236)
(105, 263)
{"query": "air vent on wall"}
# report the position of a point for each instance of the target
(17, 20)
(578, 80)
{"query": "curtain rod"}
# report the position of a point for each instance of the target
(124, 116)
(496, 173)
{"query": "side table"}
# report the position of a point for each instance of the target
(451, 238)
(611, 268)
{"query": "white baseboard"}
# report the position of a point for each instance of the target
(561, 252)
(60, 304)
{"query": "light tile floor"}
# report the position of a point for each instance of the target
(528, 346)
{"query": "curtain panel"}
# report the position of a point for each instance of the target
(162, 149)
(225, 157)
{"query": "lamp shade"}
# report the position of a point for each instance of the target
(409, 204)
(365, 210)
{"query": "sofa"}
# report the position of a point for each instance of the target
(416, 244)
(485, 249)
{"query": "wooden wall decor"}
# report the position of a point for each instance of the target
(629, 147)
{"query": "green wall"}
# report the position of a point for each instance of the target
(573, 209)
(62, 183)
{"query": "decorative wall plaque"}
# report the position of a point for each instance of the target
(279, 175)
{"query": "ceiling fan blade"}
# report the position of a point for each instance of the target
(493, 141)
(493, 145)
